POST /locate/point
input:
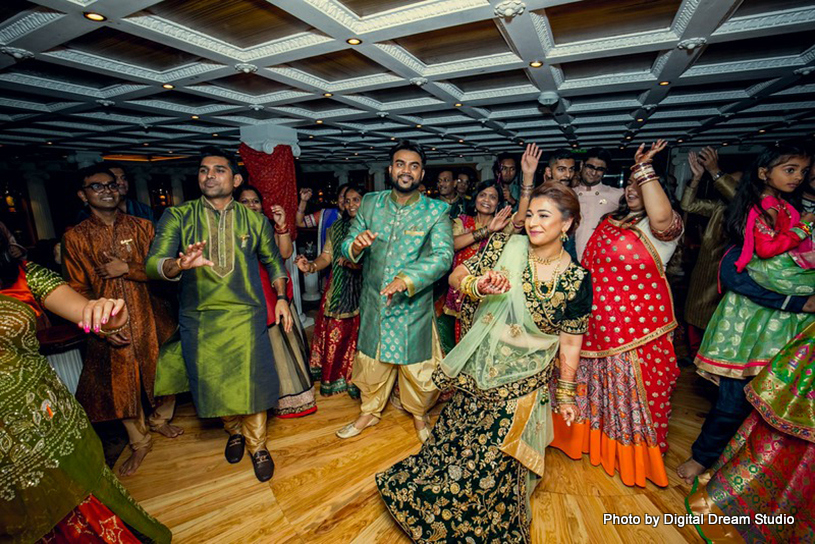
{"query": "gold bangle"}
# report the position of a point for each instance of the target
(178, 263)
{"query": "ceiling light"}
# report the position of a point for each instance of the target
(574, 145)
(393, 138)
(461, 141)
(622, 147)
(311, 136)
(640, 119)
(680, 140)
(168, 86)
(49, 143)
(628, 137)
(725, 143)
(353, 41)
(145, 144)
(355, 154)
(215, 134)
(762, 131)
(458, 104)
(432, 149)
(95, 17)
(194, 117)
(664, 83)
(170, 152)
(328, 95)
(536, 64)
(418, 126)
(319, 121)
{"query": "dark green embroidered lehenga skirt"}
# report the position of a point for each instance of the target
(460, 487)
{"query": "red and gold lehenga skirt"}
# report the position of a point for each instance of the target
(767, 472)
(333, 347)
(628, 366)
(91, 522)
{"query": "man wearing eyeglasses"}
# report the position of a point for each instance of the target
(126, 205)
(596, 199)
(104, 256)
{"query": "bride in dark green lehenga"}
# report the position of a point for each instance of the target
(472, 480)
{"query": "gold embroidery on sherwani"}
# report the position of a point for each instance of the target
(221, 242)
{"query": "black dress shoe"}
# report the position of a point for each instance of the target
(264, 465)
(234, 448)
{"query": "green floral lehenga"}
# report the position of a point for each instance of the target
(472, 480)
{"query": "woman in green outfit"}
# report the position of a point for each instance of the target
(53, 476)
(525, 302)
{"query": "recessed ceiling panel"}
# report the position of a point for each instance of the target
(486, 82)
(250, 84)
(122, 47)
(622, 64)
(758, 48)
(455, 43)
(244, 23)
(345, 64)
(757, 7)
(364, 8)
(58, 73)
(397, 94)
(578, 21)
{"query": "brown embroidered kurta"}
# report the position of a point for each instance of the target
(114, 377)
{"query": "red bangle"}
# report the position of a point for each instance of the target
(281, 230)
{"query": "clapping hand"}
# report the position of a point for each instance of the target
(709, 158)
(530, 159)
(645, 156)
(695, 166)
(492, 283)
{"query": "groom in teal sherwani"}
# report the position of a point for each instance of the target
(405, 243)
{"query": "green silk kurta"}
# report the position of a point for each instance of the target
(415, 242)
(224, 356)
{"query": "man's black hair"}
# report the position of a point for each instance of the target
(559, 155)
(213, 151)
(598, 153)
(88, 171)
(408, 145)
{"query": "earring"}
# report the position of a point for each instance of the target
(564, 237)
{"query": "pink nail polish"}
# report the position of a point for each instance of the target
(105, 321)
(87, 329)
(97, 328)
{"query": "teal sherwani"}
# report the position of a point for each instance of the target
(414, 242)
(224, 356)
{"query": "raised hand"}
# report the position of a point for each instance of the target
(500, 220)
(530, 159)
(709, 158)
(363, 240)
(493, 283)
(645, 156)
(695, 166)
(305, 194)
(193, 257)
(398, 285)
(279, 215)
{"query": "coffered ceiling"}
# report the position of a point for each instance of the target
(461, 76)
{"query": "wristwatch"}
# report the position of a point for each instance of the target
(717, 175)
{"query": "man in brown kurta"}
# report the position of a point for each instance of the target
(104, 256)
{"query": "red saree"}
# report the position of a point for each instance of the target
(628, 367)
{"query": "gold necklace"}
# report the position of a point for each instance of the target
(550, 285)
(545, 262)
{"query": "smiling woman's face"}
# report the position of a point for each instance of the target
(544, 221)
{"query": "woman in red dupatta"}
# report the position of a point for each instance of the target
(628, 367)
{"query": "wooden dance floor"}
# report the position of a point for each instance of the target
(323, 488)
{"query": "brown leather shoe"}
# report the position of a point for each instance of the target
(264, 465)
(234, 448)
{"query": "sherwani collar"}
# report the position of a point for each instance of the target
(411, 201)
(207, 204)
(97, 222)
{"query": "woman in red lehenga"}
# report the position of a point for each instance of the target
(628, 367)
(334, 343)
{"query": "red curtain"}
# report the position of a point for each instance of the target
(273, 175)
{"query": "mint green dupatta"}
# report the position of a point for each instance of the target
(505, 357)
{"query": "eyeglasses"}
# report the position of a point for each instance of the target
(600, 169)
(100, 188)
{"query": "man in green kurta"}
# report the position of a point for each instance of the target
(222, 353)
(405, 241)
